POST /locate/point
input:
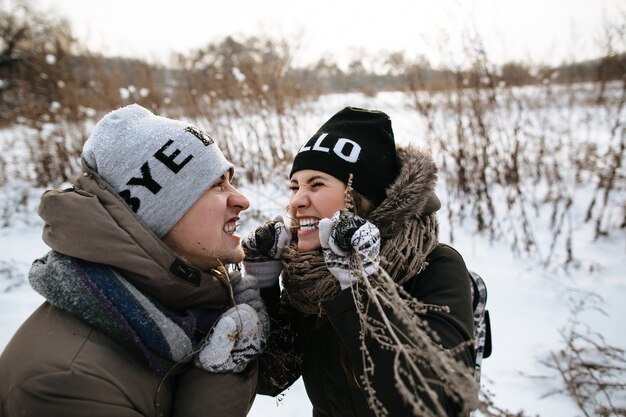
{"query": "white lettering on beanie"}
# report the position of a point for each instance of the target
(159, 166)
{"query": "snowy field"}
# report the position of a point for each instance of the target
(529, 305)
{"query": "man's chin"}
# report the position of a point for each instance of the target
(225, 260)
(235, 258)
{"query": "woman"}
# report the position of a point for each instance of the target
(370, 296)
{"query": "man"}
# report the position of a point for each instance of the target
(141, 317)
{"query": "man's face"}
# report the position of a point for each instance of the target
(206, 232)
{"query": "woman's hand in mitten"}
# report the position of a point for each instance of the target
(263, 248)
(349, 243)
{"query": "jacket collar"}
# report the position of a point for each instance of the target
(92, 222)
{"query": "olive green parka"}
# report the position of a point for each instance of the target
(57, 365)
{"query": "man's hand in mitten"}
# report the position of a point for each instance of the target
(246, 291)
(263, 248)
(236, 339)
(349, 243)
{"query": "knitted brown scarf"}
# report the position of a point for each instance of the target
(408, 228)
(308, 282)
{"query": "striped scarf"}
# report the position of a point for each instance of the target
(101, 296)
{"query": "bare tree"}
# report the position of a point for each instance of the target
(34, 52)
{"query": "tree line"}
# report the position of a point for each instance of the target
(46, 73)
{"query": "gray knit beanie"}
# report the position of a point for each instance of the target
(159, 166)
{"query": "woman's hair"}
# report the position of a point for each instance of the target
(362, 206)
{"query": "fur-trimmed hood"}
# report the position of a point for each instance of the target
(410, 195)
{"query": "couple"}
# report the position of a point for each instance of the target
(143, 318)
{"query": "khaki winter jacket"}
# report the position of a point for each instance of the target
(58, 365)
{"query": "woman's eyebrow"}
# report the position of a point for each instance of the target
(310, 180)
(314, 178)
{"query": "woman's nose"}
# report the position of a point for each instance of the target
(298, 200)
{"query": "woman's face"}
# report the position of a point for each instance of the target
(314, 195)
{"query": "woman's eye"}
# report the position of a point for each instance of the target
(317, 184)
(294, 188)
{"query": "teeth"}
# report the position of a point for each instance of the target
(308, 224)
(229, 228)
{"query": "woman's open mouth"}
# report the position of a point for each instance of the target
(307, 224)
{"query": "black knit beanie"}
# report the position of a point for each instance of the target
(354, 141)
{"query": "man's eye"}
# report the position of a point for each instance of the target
(317, 185)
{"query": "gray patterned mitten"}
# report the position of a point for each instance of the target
(263, 248)
(349, 240)
(235, 340)
(246, 291)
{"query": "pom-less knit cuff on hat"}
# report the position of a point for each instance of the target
(159, 166)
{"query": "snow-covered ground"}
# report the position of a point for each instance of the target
(529, 305)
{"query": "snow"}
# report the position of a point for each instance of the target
(19, 247)
(529, 305)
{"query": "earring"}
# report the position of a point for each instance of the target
(348, 197)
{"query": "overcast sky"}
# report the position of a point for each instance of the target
(546, 31)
